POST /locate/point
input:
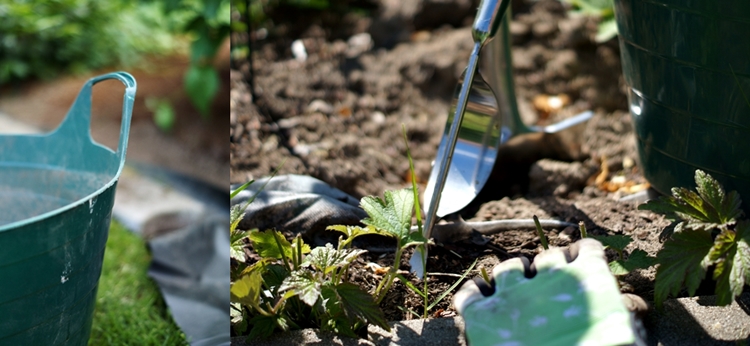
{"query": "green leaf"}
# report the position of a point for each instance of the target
(274, 275)
(617, 242)
(263, 326)
(706, 210)
(710, 190)
(733, 268)
(411, 286)
(638, 259)
(730, 207)
(204, 47)
(693, 207)
(722, 246)
(304, 284)
(680, 263)
(164, 116)
(607, 30)
(722, 255)
(742, 260)
(236, 213)
(618, 268)
(265, 244)
(201, 84)
(237, 247)
(352, 232)
(359, 303)
(667, 232)
(664, 205)
(392, 215)
(241, 188)
(327, 258)
(726, 290)
(246, 290)
(415, 237)
(305, 247)
(335, 318)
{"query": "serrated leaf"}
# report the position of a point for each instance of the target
(693, 207)
(327, 258)
(267, 245)
(664, 205)
(263, 326)
(617, 242)
(392, 215)
(356, 231)
(710, 191)
(667, 232)
(742, 259)
(730, 207)
(638, 259)
(246, 289)
(237, 246)
(416, 237)
(335, 318)
(274, 275)
(236, 213)
(304, 284)
(359, 303)
(725, 290)
(618, 268)
(722, 255)
(722, 246)
(680, 263)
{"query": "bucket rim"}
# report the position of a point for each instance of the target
(54, 212)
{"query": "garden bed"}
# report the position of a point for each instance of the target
(337, 115)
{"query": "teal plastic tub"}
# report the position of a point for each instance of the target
(687, 66)
(56, 196)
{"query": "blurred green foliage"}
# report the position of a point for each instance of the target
(207, 23)
(41, 39)
(602, 9)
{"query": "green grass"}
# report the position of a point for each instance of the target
(129, 307)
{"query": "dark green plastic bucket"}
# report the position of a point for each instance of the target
(687, 65)
(56, 196)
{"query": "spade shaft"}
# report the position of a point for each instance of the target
(484, 28)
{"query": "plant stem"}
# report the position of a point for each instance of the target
(388, 280)
(582, 228)
(281, 251)
(424, 290)
(539, 231)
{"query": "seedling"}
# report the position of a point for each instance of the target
(706, 231)
(307, 288)
(540, 232)
(392, 217)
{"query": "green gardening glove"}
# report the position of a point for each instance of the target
(572, 299)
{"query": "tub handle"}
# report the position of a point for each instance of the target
(78, 122)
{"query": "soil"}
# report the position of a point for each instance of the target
(337, 115)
